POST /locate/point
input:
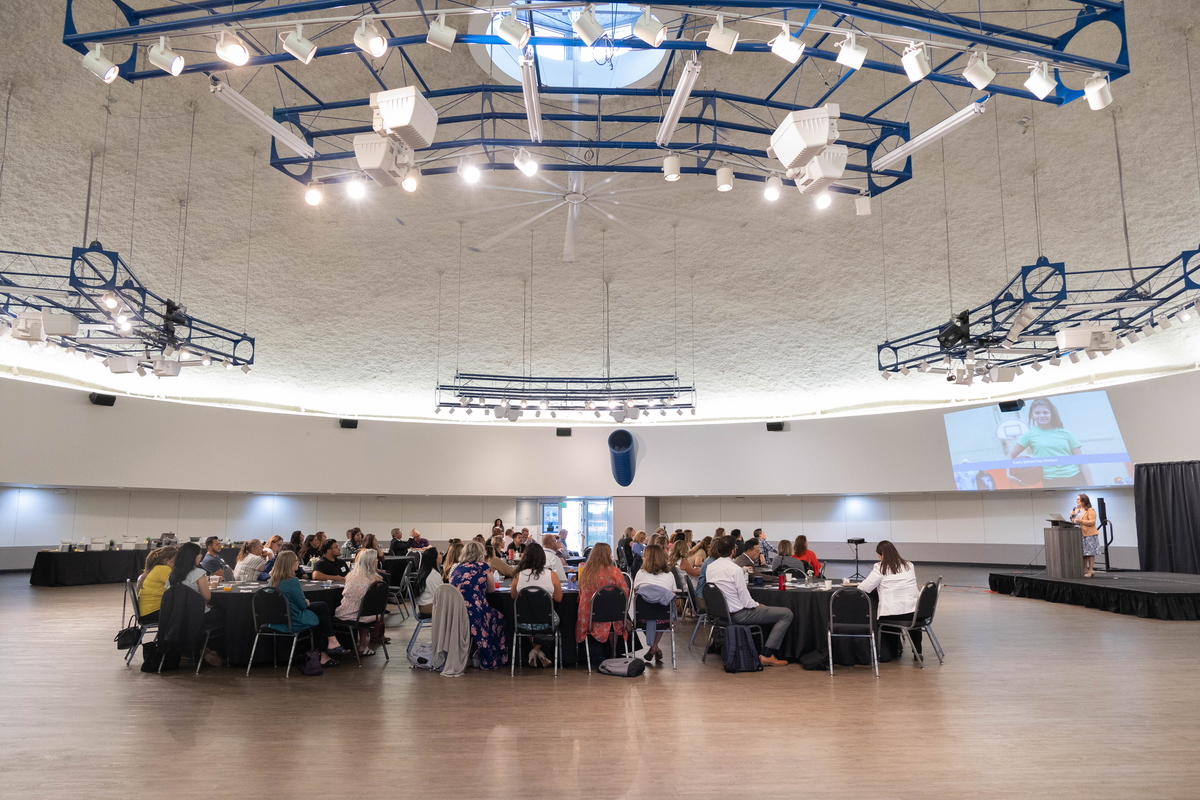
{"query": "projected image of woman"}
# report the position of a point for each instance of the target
(1047, 438)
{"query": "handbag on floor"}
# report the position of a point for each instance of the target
(629, 667)
(740, 653)
(312, 664)
(127, 637)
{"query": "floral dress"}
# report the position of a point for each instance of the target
(487, 624)
(600, 630)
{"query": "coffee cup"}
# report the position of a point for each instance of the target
(828, 584)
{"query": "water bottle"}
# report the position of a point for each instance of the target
(781, 582)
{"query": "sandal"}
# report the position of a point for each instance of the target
(338, 651)
(332, 662)
(367, 652)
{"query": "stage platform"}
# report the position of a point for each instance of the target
(1153, 595)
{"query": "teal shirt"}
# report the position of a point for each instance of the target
(297, 604)
(1048, 443)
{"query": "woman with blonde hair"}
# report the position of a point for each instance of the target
(597, 573)
(453, 556)
(303, 613)
(362, 577)
(677, 558)
(639, 543)
(698, 552)
(473, 578)
(273, 544)
(250, 561)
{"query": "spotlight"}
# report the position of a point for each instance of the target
(368, 38)
(98, 65)
(823, 200)
(1185, 314)
(823, 170)
(297, 46)
(1040, 83)
(597, 415)
(1074, 356)
(722, 38)
(544, 404)
(629, 403)
(162, 56)
(525, 162)
(441, 35)
(512, 31)
(141, 371)
(1055, 361)
(109, 299)
(410, 180)
(904, 371)
(468, 171)
(126, 326)
(357, 189)
(649, 29)
(469, 410)
(887, 376)
(313, 195)
(774, 187)
(679, 411)
(786, 46)
(978, 72)
(245, 369)
(671, 168)
(1037, 366)
(1099, 96)
(228, 363)
(524, 404)
(232, 49)
(612, 404)
(724, 179)
(916, 63)
(850, 54)
(553, 415)
(956, 331)
(122, 317)
(587, 26)
(206, 360)
(862, 206)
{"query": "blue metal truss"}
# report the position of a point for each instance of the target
(77, 285)
(1045, 298)
(508, 395)
(616, 132)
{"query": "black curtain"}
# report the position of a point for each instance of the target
(1167, 505)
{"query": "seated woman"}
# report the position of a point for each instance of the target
(453, 556)
(429, 577)
(896, 581)
(186, 571)
(308, 550)
(153, 581)
(471, 577)
(598, 573)
(789, 561)
(250, 561)
(638, 544)
(656, 584)
(677, 559)
(800, 551)
(303, 613)
(699, 552)
(354, 543)
(272, 546)
(494, 552)
(362, 577)
(533, 572)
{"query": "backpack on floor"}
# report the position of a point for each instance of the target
(815, 659)
(629, 667)
(155, 654)
(423, 657)
(740, 654)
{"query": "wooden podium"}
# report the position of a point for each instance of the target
(1064, 550)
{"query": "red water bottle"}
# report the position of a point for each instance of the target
(781, 582)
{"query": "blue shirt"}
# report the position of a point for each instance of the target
(703, 576)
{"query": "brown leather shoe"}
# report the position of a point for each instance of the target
(772, 661)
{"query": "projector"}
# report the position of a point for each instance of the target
(856, 541)
(386, 162)
(823, 169)
(803, 134)
(404, 115)
(1086, 337)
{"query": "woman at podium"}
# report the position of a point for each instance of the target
(1084, 516)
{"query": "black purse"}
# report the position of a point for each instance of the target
(128, 637)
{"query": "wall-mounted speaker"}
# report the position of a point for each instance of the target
(102, 399)
(775, 427)
(348, 423)
(562, 431)
(1012, 405)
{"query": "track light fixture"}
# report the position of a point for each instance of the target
(109, 299)
(978, 72)
(162, 56)
(525, 162)
(862, 206)
(649, 29)
(850, 54)
(468, 171)
(722, 38)
(774, 188)
(313, 195)
(823, 200)
(916, 63)
(1039, 82)
(786, 46)
(679, 99)
(232, 49)
(441, 35)
(297, 46)
(409, 184)
(587, 26)
(369, 39)
(724, 179)
(671, 168)
(1099, 96)
(98, 65)
(356, 189)
(206, 360)
(512, 31)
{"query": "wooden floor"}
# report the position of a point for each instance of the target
(1035, 700)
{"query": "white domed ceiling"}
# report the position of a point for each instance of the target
(359, 307)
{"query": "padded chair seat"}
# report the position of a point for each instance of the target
(845, 628)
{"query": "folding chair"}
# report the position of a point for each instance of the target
(270, 607)
(922, 621)
(398, 590)
(533, 615)
(850, 616)
(717, 611)
(374, 604)
(646, 610)
(701, 616)
(131, 596)
(608, 605)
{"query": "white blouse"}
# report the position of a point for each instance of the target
(897, 591)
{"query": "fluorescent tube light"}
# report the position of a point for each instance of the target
(928, 137)
(679, 99)
(533, 101)
(259, 118)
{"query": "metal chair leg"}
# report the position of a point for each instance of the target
(829, 650)
(587, 649)
(413, 641)
(707, 643)
(354, 644)
(700, 620)
(252, 649)
(937, 647)
(874, 656)
(912, 646)
(203, 650)
(291, 655)
(673, 646)
(557, 651)
(512, 660)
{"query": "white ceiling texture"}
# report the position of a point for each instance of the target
(770, 309)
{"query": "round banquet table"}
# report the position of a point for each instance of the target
(239, 620)
(810, 624)
(567, 609)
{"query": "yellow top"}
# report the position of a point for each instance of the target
(1087, 522)
(150, 596)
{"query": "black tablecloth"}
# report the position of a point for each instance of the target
(53, 568)
(810, 625)
(239, 624)
(568, 612)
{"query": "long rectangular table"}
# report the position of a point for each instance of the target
(56, 568)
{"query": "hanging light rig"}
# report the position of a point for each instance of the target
(513, 396)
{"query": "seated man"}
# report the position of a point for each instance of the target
(743, 610)
(331, 567)
(768, 550)
(554, 561)
(751, 557)
(212, 563)
(416, 541)
(399, 546)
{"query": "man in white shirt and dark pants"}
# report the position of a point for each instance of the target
(743, 610)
